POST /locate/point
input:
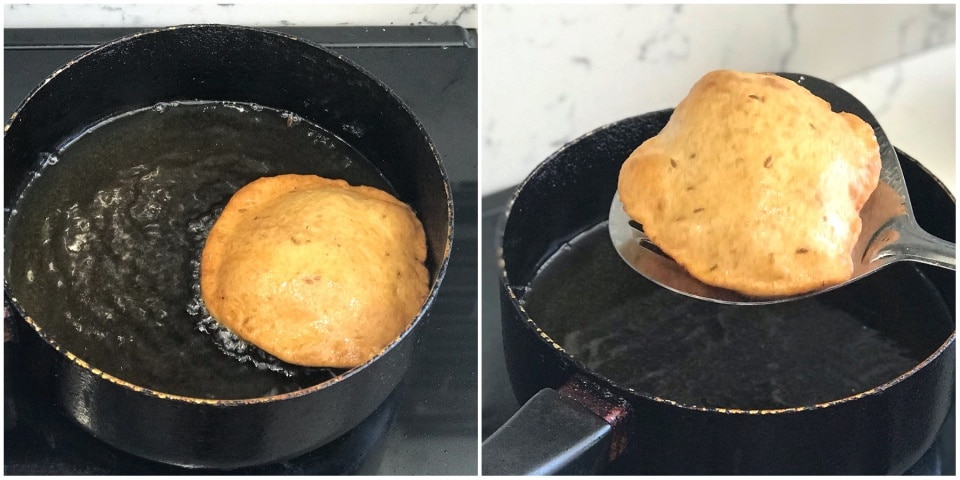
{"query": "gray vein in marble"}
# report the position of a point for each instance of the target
(896, 80)
(941, 26)
(667, 42)
(465, 9)
(559, 142)
(487, 141)
(135, 20)
(426, 10)
(581, 61)
(568, 21)
(794, 36)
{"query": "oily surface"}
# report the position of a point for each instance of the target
(792, 354)
(315, 271)
(103, 248)
(754, 185)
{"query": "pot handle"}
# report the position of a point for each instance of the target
(550, 434)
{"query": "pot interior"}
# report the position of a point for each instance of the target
(643, 339)
(106, 218)
(106, 241)
(657, 343)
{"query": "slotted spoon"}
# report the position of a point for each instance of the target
(890, 231)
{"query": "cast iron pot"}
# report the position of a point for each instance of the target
(225, 64)
(575, 419)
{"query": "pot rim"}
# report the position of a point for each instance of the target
(529, 322)
(441, 269)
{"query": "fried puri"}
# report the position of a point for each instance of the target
(754, 185)
(315, 271)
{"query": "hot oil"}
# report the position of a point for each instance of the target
(698, 353)
(103, 248)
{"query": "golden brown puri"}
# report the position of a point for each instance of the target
(754, 185)
(315, 271)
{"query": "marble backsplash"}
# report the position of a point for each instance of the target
(252, 14)
(550, 73)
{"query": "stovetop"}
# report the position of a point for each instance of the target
(429, 424)
(498, 401)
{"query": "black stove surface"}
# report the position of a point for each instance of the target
(429, 424)
(498, 400)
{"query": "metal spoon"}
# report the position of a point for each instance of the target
(890, 231)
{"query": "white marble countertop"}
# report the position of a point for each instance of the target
(583, 68)
(914, 99)
(252, 14)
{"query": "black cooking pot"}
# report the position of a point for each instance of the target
(582, 332)
(282, 103)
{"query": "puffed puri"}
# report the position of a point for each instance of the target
(754, 185)
(315, 271)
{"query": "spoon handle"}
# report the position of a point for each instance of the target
(917, 245)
